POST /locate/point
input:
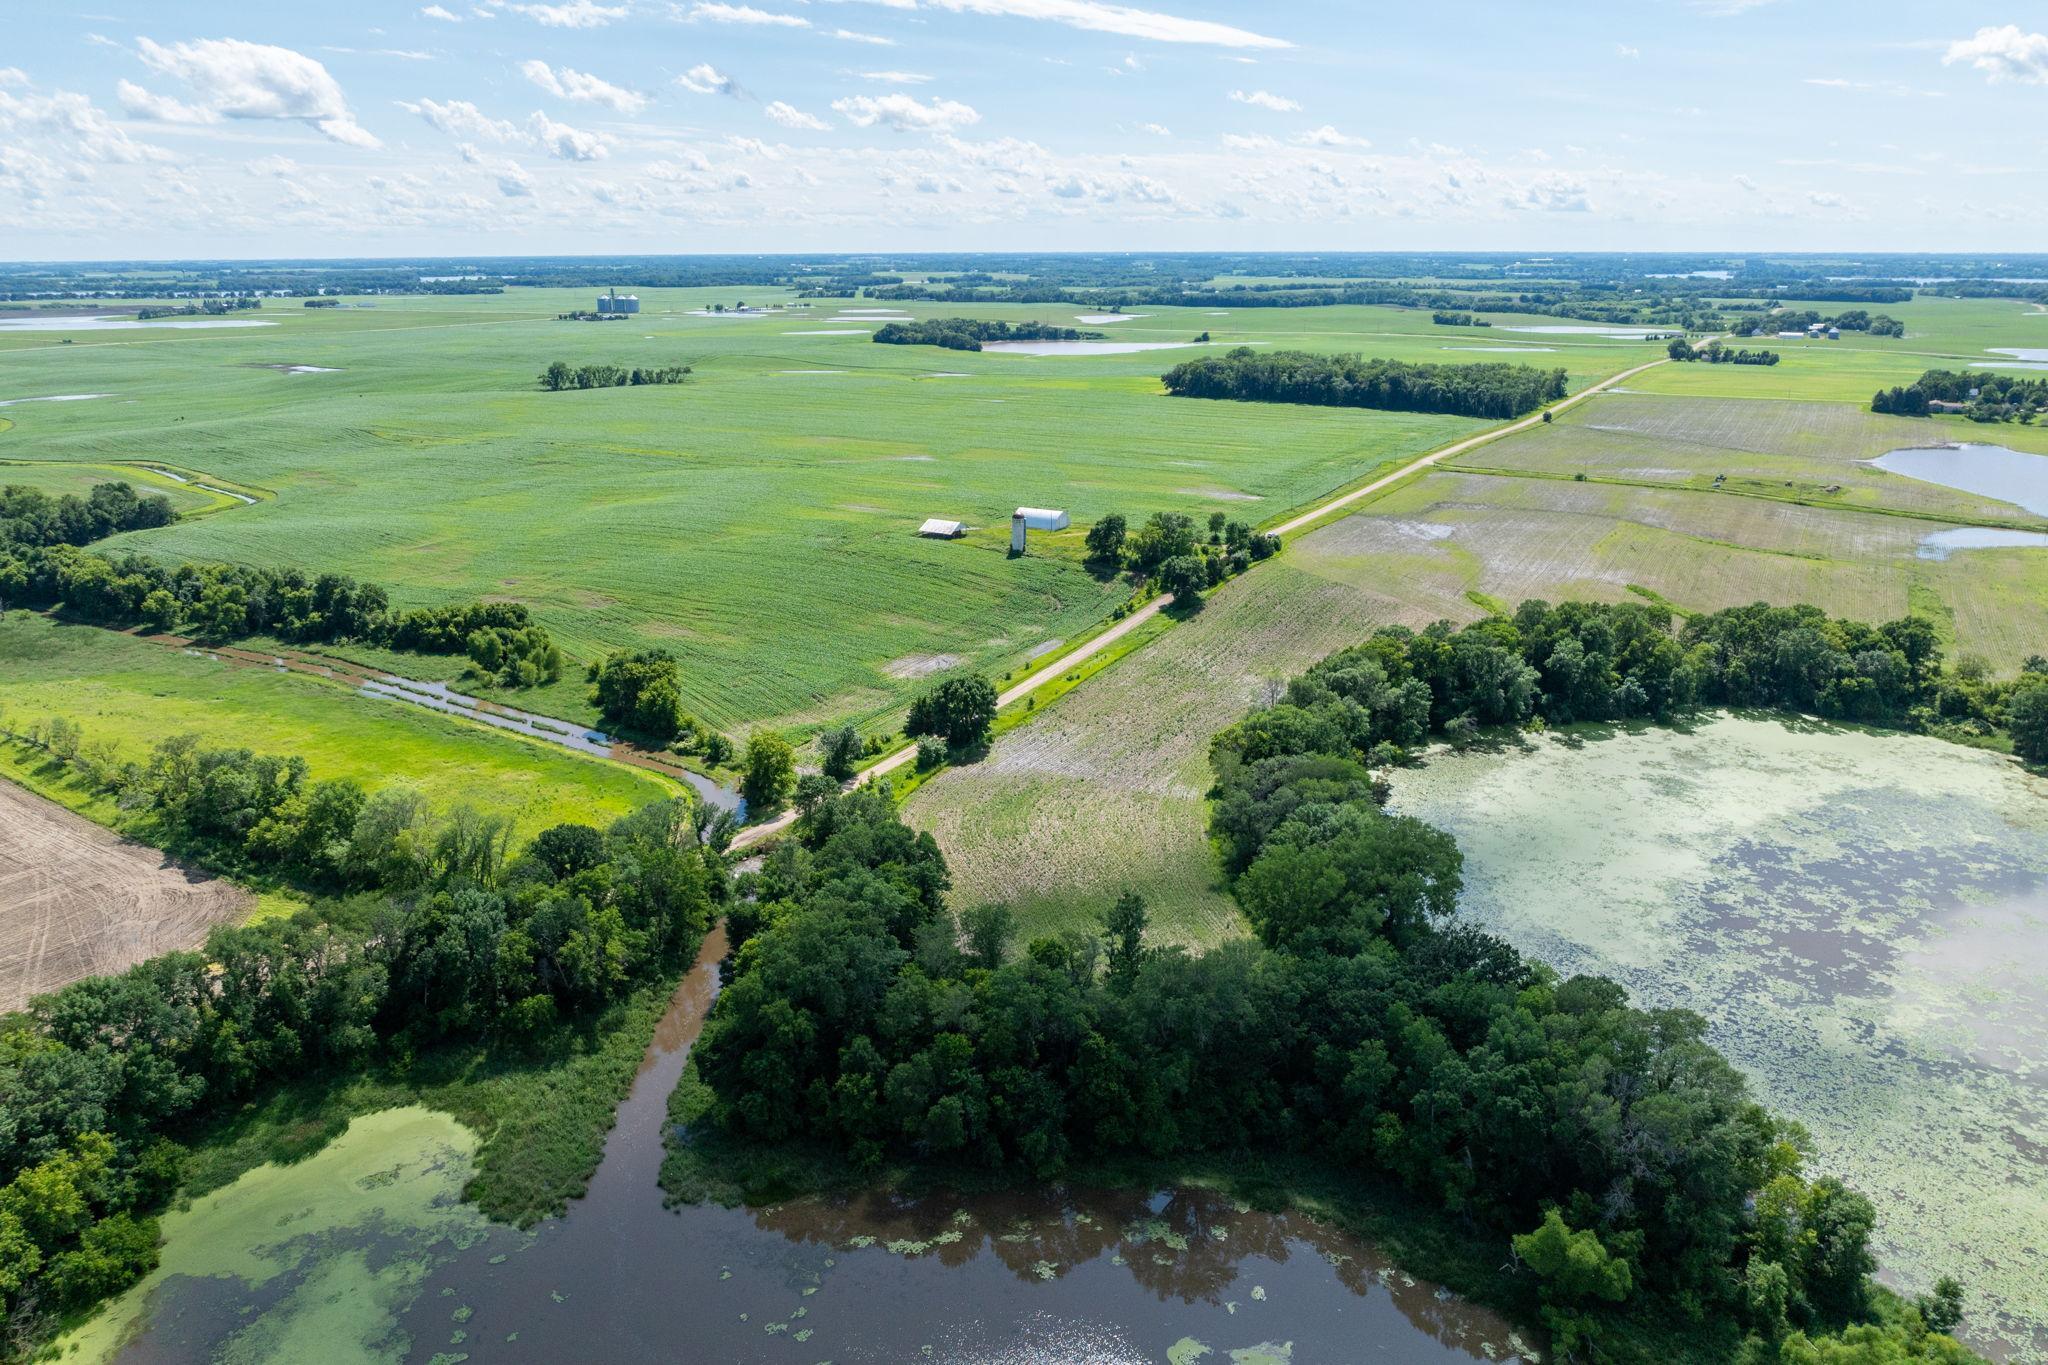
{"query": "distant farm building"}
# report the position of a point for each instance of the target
(611, 303)
(1034, 519)
(938, 528)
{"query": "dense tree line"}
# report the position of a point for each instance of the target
(30, 517)
(967, 334)
(1492, 390)
(1587, 661)
(513, 656)
(561, 375)
(1714, 353)
(1985, 397)
(216, 601)
(1458, 320)
(1619, 1152)
(450, 935)
(957, 711)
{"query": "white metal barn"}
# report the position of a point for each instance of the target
(940, 529)
(1034, 519)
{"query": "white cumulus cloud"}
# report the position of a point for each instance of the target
(706, 79)
(436, 12)
(896, 77)
(2005, 53)
(1266, 99)
(460, 118)
(789, 116)
(711, 11)
(1328, 136)
(138, 103)
(243, 80)
(564, 143)
(905, 113)
(1098, 17)
(573, 14)
(569, 84)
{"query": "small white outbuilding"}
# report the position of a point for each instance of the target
(940, 529)
(1034, 519)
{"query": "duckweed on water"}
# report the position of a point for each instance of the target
(358, 1248)
(1862, 919)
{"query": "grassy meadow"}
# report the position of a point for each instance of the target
(758, 519)
(120, 688)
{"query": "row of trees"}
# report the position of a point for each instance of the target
(1360, 1029)
(216, 601)
(204, 308)
(31, 517)
(1442, 319)
(1714, 353)
(562, 375)
(1489, 390)
(453, 936)
(1588, 661)
(967, 334)
(1986, 397)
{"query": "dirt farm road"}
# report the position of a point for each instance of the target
(768, 829)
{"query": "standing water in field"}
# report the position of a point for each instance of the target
(1987, 470)
(364, 1252)
(1861, 918)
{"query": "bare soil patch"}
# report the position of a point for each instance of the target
(77, 900)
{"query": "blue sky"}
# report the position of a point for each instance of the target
(499, 127)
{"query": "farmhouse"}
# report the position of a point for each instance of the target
(938, 528)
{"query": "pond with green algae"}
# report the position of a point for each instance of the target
(1863, 920)
(364, 1252)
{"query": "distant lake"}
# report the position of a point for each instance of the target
(1941, 544)
(1987, 470)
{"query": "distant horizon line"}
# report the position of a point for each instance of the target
(1535, 254)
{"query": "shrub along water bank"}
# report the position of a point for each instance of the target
(448, 942)
(1350, 381)
(1648, 1207)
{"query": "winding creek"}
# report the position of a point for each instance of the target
(365, 1252)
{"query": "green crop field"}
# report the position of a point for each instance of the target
(758, 519)
(132, 692)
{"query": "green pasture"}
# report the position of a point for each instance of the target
(757, 520)
(126, 690)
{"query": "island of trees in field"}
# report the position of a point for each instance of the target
(562, 375)
(31, 517)
(967, 334)
(1624, 1187)
(1489, 390)
(1714, 353)
(1976, 394)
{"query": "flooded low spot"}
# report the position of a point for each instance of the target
(2033, 355)
(1617, 333)
(1973, 467)
(1861, 918)
(298, 369)
(1103, 319)
(921, 665)
(1084, 347)
(53, 398)
(1941, 544)
(360, 1253)
(110, 324)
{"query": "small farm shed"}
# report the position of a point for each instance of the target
(940, 529)
(1034, 519)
